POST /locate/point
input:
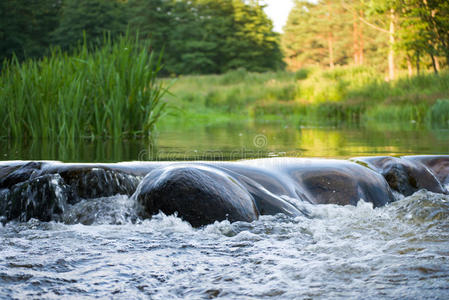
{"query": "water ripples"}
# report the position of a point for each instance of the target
(398, 251)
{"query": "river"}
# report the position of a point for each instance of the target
(400, 251)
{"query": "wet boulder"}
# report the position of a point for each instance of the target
(327, 181)
(268, 188)
(438, 164)
(89, 182)
(16, 172)
(198, 194)
(43, 198)
(403, 176)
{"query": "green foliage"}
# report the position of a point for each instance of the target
(235, 91)
(335, 85)
(360, 95)
(25, 27)
(302, 74)
(439, 112)
(109, 92)
(415, 113)
(208, 36)
(89, 19)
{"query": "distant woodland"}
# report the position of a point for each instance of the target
(215, 36)
(195, 36)
(410, 35)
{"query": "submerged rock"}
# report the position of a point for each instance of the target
(43, 198)
(89, 183)
(11, 174)
(403, 176)
(326, 181)
(199, 194)
(438, 164)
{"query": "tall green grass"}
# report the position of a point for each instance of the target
(439, 113)
(110, 91)
(233, 92)
(345, 94)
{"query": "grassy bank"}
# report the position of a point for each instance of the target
(110, 91)
(315, 96)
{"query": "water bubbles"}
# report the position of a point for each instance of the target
(335, 252)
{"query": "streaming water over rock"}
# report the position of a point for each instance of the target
(398, 251)
(97, 244)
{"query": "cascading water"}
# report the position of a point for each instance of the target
(101, 247)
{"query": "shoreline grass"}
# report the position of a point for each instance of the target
(346, 94)
(110, 91)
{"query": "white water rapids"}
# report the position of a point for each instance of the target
(396, 252)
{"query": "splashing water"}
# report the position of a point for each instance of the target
(398, 251)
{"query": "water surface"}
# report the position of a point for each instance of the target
(397, 252)
(400, 251)
(240, 140)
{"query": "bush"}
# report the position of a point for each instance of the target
(302, 74)
(439, 112)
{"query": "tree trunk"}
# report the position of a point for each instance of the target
(409, 66)
(417, 62)
(331, 51)
(434, 63)
(354, 37)
(391, 46)
(437, 63)
(361, 44)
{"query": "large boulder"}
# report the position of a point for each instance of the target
(403, 175)
(16, 172)
(199, 194)
(327, 181)
(438, 164)
(43, 198)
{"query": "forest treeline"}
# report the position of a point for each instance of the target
(216, 36)
(195, 36)
(388, 34)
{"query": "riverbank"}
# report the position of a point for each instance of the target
(312, 96)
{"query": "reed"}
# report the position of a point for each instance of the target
(439, 113)
(110, 91)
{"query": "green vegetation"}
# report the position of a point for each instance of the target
(349, 61)
(106, 92)
(344, 94)
(390, 35)
(196, 36)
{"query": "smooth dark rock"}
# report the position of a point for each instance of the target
(438, 164)
(18, 172)
(326, 181)
(265, 188)
(199, 194)
(404, 176)
(43, 198)
(93, 181)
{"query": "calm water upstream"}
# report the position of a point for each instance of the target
(238, 141)
(400, 251)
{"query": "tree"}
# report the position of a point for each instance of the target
(25, 27)
(208, 36)
(92, 18)
(316, 34)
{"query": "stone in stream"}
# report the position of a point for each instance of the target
(92, 182)
(438, 164)
(11, 174)
(199, 194)
(43, 198)
(403, 175)
(328, 181)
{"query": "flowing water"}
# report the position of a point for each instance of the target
(400, 251)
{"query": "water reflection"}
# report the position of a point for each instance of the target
(239, 140)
